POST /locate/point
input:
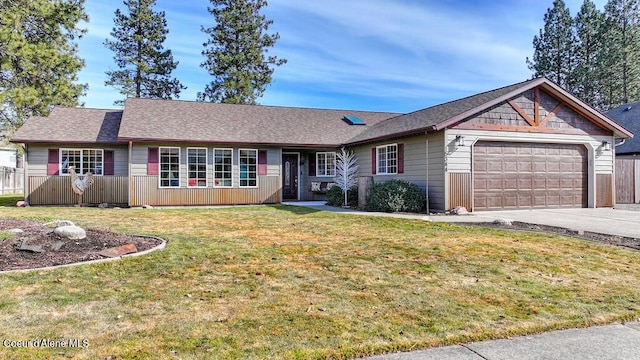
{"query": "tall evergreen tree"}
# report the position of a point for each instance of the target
(622, 32)
(144, 65)
(588, 25)
(553, 55)
(38, 57)
(236, 52)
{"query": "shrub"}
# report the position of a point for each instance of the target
(395, 196)
(335, 196)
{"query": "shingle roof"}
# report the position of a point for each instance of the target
(441, 116)
(71, 125)
(171, 120)
(628, 115)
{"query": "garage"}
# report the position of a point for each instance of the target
(509, 175)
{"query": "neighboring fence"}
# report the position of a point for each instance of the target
(627, 180)
(11, 180)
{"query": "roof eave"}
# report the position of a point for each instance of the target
(420, 131)
(213, 142)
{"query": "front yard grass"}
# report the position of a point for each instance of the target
(289, 282)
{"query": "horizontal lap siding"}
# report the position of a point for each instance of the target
(56, 190)
(145, 191)
(436, 171)
(415, 165)
(38, 156)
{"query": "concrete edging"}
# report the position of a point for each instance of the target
(161, 246)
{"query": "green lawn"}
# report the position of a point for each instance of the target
(288, 282)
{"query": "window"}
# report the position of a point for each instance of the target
(169, 167)
(387, 156)
(222, 167)
(326, 164)
(197, 167)
(248, 168)
(84, 160)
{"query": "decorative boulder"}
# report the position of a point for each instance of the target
(22, 204)
(504, 222)
(103, 205)
(60, 223)
(147, 206)
(460, 210)
(16, 231)
(71, 232)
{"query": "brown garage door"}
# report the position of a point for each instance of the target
(527, 175)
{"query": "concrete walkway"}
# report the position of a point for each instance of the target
(610, 342)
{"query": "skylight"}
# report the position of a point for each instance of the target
(353, 120)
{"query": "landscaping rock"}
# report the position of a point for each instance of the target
(505, 222)
(22, 204)
(147, 206)
(15, 231)
(60, 223)
(31, 248)
(118, 251)
(57, 246)
(460, 210)
(71, 232)
(103, 206)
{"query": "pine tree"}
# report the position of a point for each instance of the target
(623, 50)
(553, 55)
(38, 57)
(236, 52)
(144, 65)
(588, 26)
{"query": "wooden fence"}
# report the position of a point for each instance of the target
(627, 180)
(56, 190)
(11, 180)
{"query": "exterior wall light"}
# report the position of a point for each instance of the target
(459, 140)
(606, 146)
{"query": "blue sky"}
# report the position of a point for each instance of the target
(378, 55)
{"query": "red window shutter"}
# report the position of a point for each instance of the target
(312, 164)
(108, 162)
(374, 156)
(262, 162)
(53, 162)
(400, 158)
(152, 161)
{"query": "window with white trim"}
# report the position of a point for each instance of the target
(326, 163)
(169, 167)
(248, 167)
(197, 167)
(387, 159)
(222, 167)
(84, 160)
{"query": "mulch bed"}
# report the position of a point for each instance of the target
(72, 251)
(624, 241)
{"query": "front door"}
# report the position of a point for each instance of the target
(290, 176)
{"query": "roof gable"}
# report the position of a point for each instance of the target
(454, 112)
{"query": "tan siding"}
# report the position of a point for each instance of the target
(415, 168)
(459, 159)
(145, 191)
(39, 154)
(436, 171)
(56, 190)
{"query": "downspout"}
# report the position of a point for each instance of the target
(25, 171)
(426, 135)
(129, 175)
(620, 143)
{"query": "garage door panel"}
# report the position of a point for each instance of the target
(524, 175)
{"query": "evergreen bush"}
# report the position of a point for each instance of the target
(395, 196)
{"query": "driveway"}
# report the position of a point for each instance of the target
(601, 220)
